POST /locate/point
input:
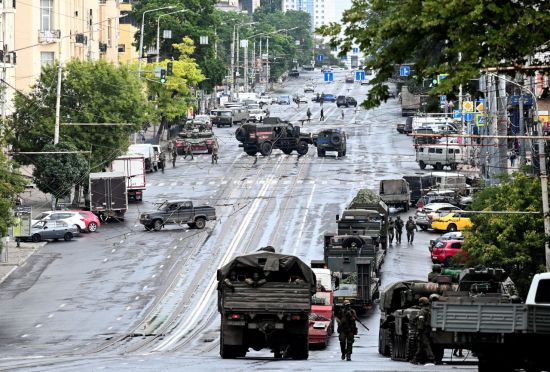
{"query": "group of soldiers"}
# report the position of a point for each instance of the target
(395, 229)
(172, 150)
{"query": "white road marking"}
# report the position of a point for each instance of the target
(303, 224)
(128, 308)
(161, 184)
(51, 316)
(161, 266)
(105, 260)
(145, 287)
(62, 305)
(119, 318)
(109, 328)
(25, 336)
(154, 276)
(114, 250)
(38, 326)
(137, 298)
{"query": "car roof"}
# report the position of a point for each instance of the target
(440, 205)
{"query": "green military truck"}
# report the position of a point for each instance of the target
(366, 215)
(264, 300)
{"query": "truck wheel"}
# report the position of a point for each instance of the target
(438, 166)
(192, 225)
(157, 225)
(422, 164)
(265, 148)
(340, 154)
(320, 153)
(68, 236)
(438, 353)
(200, 223)
(240, 134)
(36, 238)
(300, 348)
(424, 227)
(251, 152)
(287, 151)
(410, 344)
(383, 342)
(352, 240)
(397, 348)
(302, 148)
(454, 166)
(406, 207)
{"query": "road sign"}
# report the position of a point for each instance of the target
(480, 120)
(467, 106)
(405, 71)
(320, 57)
(468, 116)
(457, 114)
(480, 106)
(442, 99)
(441, 77)
(359, 75)
(329, 76)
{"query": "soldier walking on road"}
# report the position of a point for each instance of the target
(410, 227)
(423, 348)
(398, 229)
(308, 115)
(174, 156)
(322, 115)
(347, 329)
(188, 151)
(215, 153)
(162, 160)
(391, 227)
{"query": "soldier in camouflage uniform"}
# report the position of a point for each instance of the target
(423, 347)
(347, 329)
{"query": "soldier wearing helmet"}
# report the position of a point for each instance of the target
(423, 348)
(347, 329)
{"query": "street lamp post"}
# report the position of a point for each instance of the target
(158, 29)
(141, 33)
(237, 45)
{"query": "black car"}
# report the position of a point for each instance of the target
(294, 73)
(346, 101)
(330, 140)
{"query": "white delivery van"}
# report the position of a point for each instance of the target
(451, 181)
(440, 155)
(148, 152)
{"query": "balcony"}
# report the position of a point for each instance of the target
(49, 36)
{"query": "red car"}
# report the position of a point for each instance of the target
(320, 330)
(90, 220)
(444, 252)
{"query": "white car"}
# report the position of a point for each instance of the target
(308, 88)
(256, 115)
(72, 218)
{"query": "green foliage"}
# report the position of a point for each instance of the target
(432, 34)
(511, 241)
(174, 98)
(92, 92)
(199, 19)
(11, 184)
(57, 174)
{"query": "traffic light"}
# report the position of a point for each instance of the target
(169, 69)
(162, 76)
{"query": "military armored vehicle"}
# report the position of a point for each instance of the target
(273, 133)
(330, 140)
(366, 215)
(199, 135)
(264, 299)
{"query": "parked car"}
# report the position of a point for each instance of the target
(300, 99)
(329, 98)
(90, 220)
(350, 79)
(445, 252)
(425, 215)
(438, 196)
(346, 101)
(454, 221)
(320, 329)
(453, 235)
(308, 88)
(256, 115)
(53, 229)
(284, 100)
(294, 73)
(72, 218)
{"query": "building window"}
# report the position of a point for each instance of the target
(46, 15)
(109, 32)
(46, 58)
(121, 48)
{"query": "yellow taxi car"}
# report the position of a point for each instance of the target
(454, 221)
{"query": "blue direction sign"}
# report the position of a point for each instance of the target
(442, 99)
(457, 115)
(355, 50)
(360, 75)
(329, 76)
(405, 71)
(469, 116)
(320, 57)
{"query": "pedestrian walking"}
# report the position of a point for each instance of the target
(391, 229)
(188, 151)
(342, 114)
(142, 135)
(398, 229)
(513, 157)
(322, 115)
(162, 160)
(174, 156)
(423, 346)
(215, 153)
(411, 227)
(347, 329)
(308, 114)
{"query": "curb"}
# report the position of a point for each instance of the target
(23, 253)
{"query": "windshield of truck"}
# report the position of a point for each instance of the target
(222, 113)
(360, 225)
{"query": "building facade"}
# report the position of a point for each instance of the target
(8, 57)
(321, 11)
(50, 30)
(127, 52)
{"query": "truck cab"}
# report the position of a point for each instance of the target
(539, 291)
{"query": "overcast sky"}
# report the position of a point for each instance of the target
(341, 5)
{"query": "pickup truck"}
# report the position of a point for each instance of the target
(177, 212)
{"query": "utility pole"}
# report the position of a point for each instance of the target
(246, 67)
(232, 80)
(4, 48)
(267, 61)
(502, 127)
(521, 127)
(58, 97)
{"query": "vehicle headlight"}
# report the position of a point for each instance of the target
(145, 216)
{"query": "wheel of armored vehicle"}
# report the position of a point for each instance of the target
(200, 223)
(340, 154)
(336, 140)
(287, 151)
(265, 148)
(251, 152)
(321, 153)
(299, 349)
(411, 342)
(422, 164)
(351, 241)
(454, 166)
(302, 148)
(240, 134)
(384, 337)
(438, 166)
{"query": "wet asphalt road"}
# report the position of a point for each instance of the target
(72, 299)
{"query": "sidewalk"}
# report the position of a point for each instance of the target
(13, 257)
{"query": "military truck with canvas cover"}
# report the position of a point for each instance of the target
(264, 300)
(365, 214)
(396, 193)
(354, 261)
(273, 133)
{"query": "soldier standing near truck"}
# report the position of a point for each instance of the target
(410, 227)
(391, 228)
(398, 229)
(347, 329)
(423, 347)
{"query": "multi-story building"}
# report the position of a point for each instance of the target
(237, 5)
(49, 30)
(321, 11)
(127, 52)
(8, 56)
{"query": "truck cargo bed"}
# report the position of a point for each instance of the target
(272, 297)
